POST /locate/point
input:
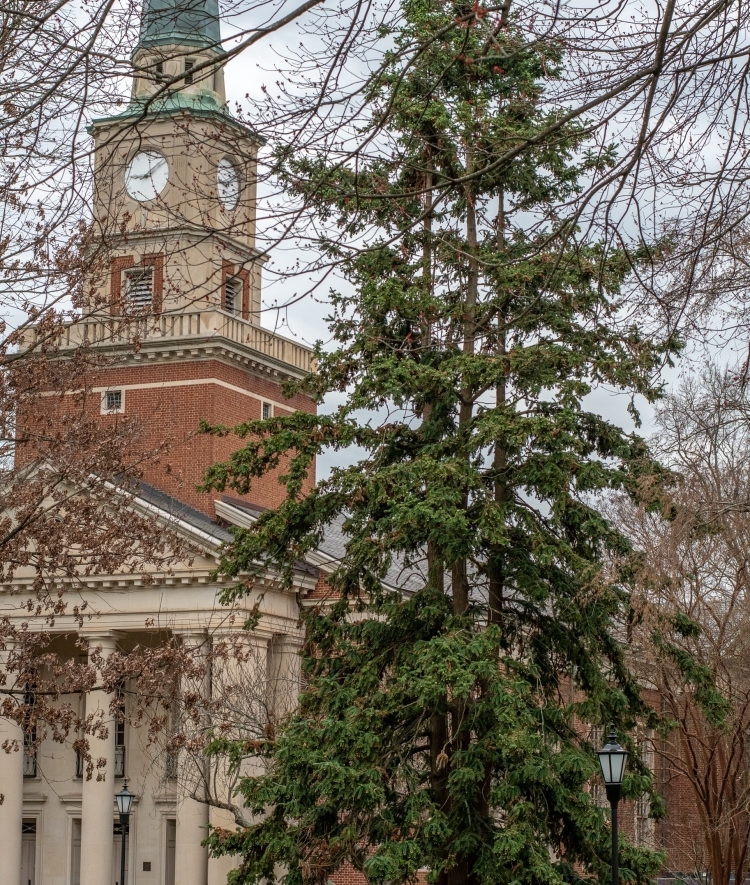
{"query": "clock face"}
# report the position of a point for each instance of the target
(228, 184)
(146, 176)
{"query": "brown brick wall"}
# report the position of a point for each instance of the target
(680, 834)
(347, 875)
(115, 285)
(322, 590)
(172, 415)
(244, 275)
(156, 260)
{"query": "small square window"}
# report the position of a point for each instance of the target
(112, 401)
(267, 411)
(146, 866)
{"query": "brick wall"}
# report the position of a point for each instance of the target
(168, 401)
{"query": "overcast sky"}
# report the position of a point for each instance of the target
(304, 321)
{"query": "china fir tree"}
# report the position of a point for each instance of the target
(444, 717)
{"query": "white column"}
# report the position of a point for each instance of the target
(239, 683)
(98, 794)
(191, 858)
(11, 787)
(285, 673)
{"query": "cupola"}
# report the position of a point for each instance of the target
(179, 57)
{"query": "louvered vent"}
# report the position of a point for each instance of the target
(139, 289)
(233, 295)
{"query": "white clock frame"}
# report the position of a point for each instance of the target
(146, 175)
(228, 185)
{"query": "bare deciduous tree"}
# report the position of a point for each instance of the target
(691, 640)
(667, 84)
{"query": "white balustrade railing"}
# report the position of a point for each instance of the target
(203, 324)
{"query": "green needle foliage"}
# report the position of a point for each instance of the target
(442, 724)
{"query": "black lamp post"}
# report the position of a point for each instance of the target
(124, 801)
(612, 758)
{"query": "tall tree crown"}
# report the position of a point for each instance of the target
(441, 729)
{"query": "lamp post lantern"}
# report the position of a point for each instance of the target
(124, 801)
(612, 759)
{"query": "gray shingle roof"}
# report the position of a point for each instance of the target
(334, 543)
(177, 510)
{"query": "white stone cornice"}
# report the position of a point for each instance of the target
(96, 636)
(193, 234)
(157, 352)
(233, 514)
(113, 586)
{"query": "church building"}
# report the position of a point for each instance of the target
(174, 304)
(174, 217)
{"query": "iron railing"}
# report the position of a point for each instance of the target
(29, 763)
(119, 761)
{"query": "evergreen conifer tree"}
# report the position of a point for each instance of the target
(443, 722)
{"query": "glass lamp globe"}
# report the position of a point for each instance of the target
(124, 801)
(612, 759)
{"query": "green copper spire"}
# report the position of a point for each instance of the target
(187, 22)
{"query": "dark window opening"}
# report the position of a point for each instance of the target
(159, 71)
(29, 758)
(112, 400)
(120, 761)
(120, 733)
(189, 65)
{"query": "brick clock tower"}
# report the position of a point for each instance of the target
(175, 194)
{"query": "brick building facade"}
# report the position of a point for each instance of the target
(171, 326)
(181, 276)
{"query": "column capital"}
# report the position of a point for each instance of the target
(192, 638)
(288, 641)
(107, 639)
(248, 637)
